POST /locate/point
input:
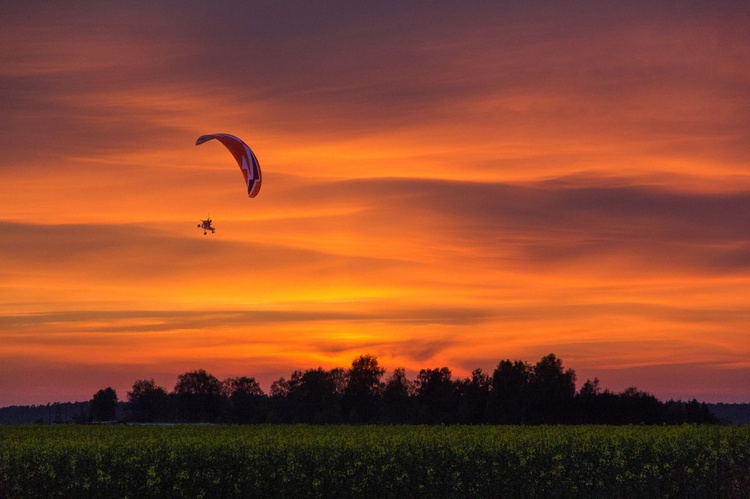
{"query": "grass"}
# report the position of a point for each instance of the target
(374, 461)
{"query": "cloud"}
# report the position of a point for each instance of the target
(547, 81)
(554, 223)
(132, 255)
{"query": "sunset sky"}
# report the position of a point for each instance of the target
(444, 184)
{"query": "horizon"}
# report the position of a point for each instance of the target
(443, 185)
(123, 398)
(410, 374)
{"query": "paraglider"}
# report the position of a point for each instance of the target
(246, 160)
(206, 226)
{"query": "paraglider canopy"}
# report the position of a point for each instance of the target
(246, 160)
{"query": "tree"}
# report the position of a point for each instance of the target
(104, 405)
(280, 388)
(199, 396)
(638, 407)
(148, 402)
(474, 395)
(398, 393)
(591, 403)
(279, 405)
(590, 389)
(692, 411)
(508, 400)
(696, 412)
(515, 393)
(363, 389)
(242, 386)
(436, 396)
(314, 396)
(552, 391)
(245, 399)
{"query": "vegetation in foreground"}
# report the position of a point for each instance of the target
(294, 461)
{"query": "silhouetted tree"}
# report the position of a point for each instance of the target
(698, 413)
(678, 412)
(398, 394)
(104, 405)
(474, 396)
(588, 402)
(279, 388)
(638, 407)
(314, 396)
(279, 405)
(148, 402)
(590, 389)
(363, 390)
(199, 396)
(552, 391)
(245, 400)
(508, 401)
(436, 396)
(516, 392)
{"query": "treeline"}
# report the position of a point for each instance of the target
(514, 393)
(57, 412)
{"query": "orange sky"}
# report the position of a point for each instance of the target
(445, 184)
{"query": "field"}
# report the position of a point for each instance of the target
(374, 461)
